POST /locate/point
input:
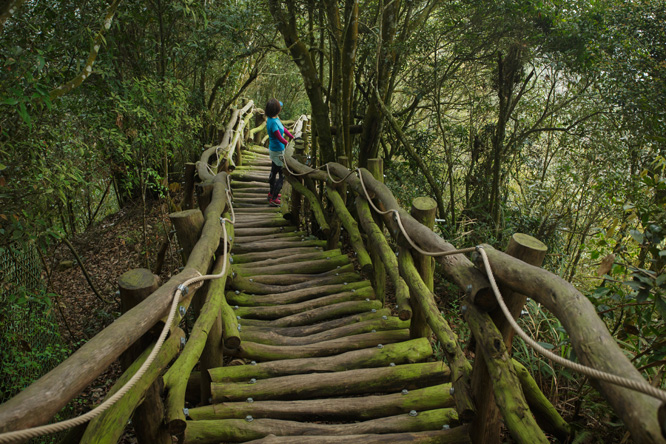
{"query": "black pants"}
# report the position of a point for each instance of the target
(275, 179)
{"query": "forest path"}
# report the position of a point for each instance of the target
(324, 359)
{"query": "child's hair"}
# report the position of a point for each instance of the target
(272, 108)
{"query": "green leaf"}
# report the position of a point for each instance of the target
(637, 235)
(546, 345)
(9, 101)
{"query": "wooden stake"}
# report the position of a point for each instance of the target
(423, 210)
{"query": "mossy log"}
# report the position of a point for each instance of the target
(188, 225)
(245, 258)
(411, 351)
(236, 430)
(110, 425)
(300, 267)
(135, 286)
(456, 435)
(546, 415)
(315, 204)
(260, 231)
(272, 337)
(460, 367)
(264, 237)
(239, 184)
(277, 245)
(263, 352)
(338, 409)
(271, 312)
(508, 395)
(307, 330)
(379, 244)
(350, 382)
(593, 344)
(269, 261)
(352, 230)
(324, 313)
(295, 283)
(175, 380)
(423, 210)
(242, 176)
(457, 268)
(376, 168)
(252, 300)
(273, 221)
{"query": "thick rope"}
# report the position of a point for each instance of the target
(639, 386)
(21, 435)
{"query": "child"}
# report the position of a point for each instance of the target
(277, 142)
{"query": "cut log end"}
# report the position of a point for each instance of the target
(232, 342)
(405, 314)
(177, 426)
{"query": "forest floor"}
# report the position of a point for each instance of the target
(107, 250)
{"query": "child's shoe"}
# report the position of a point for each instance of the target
(276, 202)
(270, 197)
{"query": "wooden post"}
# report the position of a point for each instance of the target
(423, 210)
(529, 250)
(258, 120)
(204, 194)
(296, 197)
(334, 237)
(188, 225)
(487, 422)
(376, 168)
(136, 285)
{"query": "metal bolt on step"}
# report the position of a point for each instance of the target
(413, 413)
(183, 341)
(186, 411)
(237, 292)
(373, 331)
(354, 291)
(238, 317)
(253, 362)
(253, 381)
(446, 427)
(250, 400)
(374, 310)
(235, 307)
(385, 318)
(239, 327)
(452, 391)
(337, 274)
(380, 346)
(405, 391)
(251, 280)
(392, 364)
(183, 289)
(231, 260)
(367, 299)
(249, 418)
(182, 310)
(337, 267)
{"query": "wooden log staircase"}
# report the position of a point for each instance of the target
(319, 360)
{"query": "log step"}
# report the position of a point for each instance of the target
(233, 430)
(262, 352)
(338, 409)
(350, 382)
(324, 361)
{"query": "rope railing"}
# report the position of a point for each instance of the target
(639, 386)
(182, 289)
